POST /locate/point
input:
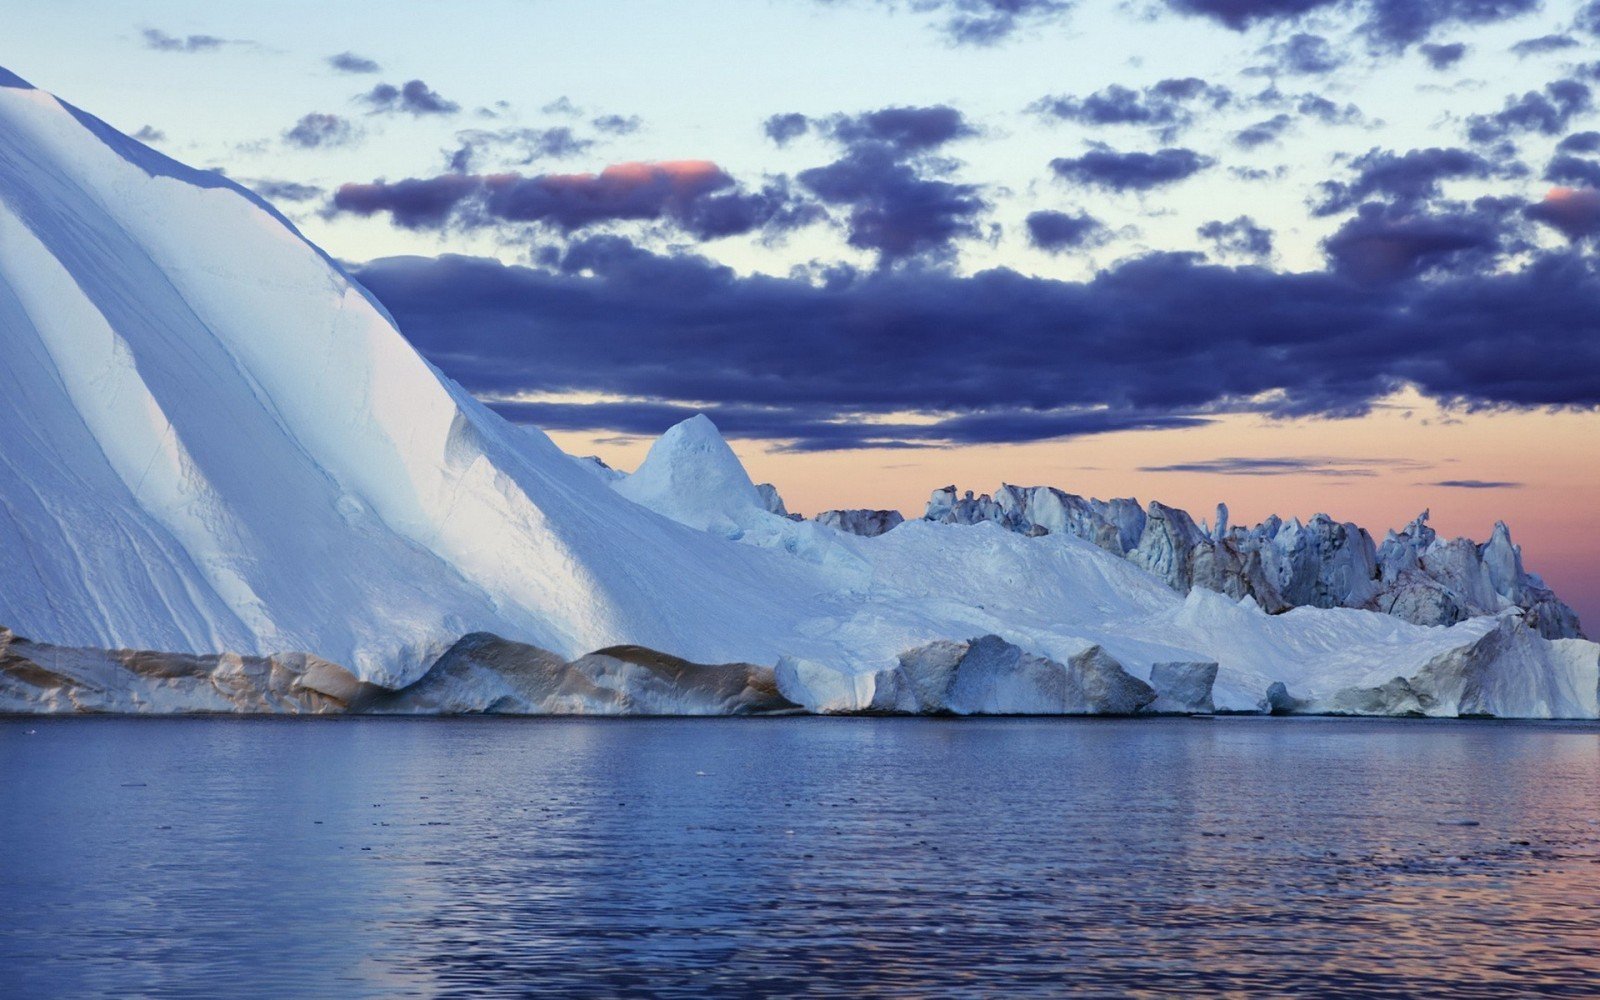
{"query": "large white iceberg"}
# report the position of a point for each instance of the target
(212, 439)
(215, 444)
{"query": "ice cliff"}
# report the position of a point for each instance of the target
(486, 674)
(1322, 563)
(481, 673)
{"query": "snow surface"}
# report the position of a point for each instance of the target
(693, 477)
(212, 439)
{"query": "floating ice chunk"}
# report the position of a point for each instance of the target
(1183, 686)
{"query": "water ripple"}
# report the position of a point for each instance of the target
(679, 858)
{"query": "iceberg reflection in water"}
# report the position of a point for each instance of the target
(396, 857)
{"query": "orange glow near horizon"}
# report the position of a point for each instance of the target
(682, 175)
(1552, 513)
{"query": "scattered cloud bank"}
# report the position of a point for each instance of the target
(412, 97)
(1465, 268)
(994, 356)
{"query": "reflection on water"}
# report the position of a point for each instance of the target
(386, 857)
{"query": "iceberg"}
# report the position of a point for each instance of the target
(1413, 575)
(210, 436)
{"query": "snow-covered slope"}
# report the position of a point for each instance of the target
(212, 440)
(693, 477)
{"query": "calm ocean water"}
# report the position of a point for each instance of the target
(386, 857)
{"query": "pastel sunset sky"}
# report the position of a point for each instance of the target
(1294, 255)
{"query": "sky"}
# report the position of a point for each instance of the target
(1294, 255)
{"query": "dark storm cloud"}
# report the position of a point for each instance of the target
(1575, 171)
(1302, 54)
(1241, 14)
(617, 124)
(1397, 24)
(1588, 18)
(1263, 132)
(412, 97)
(1326, 111)
(319, 129)
(1012, 357)
(1307, 104)
(1057, 232)
(276, 190)
(1575, 213)
(1408, 178)
(518, 146)
(1241, 237)
(1385, 243)
(895, 209)
(413, 203)
(892, 182)
(1577, 161)
(980, 22)
(645, 418)
(821, 428)
(984, 22)
(1167, 106)
(783, 128)
(1580, 142)
(907, 130)
(1546, 112)
(1391, 25)
(1543, 44)
(1334, 468)
(1108, 168)
(1475, 484)
(694, 196)
(160, 41)
(349, 62)
(1443, 56)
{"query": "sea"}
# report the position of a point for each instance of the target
(462, 857)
